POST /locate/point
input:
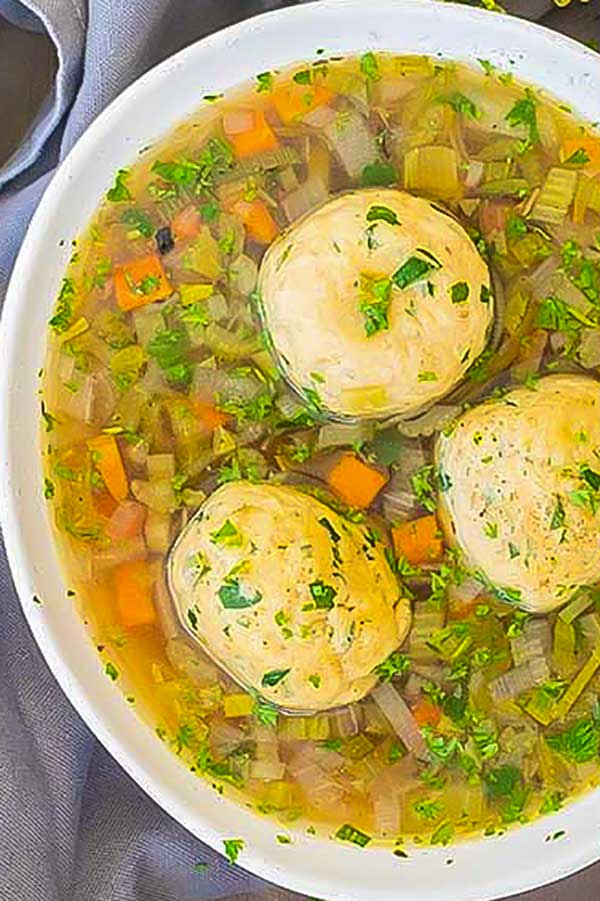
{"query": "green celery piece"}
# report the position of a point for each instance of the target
(580, 603)
(578, 685)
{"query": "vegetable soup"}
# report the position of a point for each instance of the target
(322, 448)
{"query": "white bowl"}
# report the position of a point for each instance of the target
(482, 869)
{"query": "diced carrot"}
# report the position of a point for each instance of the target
(255, 140)
(355, 482)
(257, 218)
(109, 463)
(187, 223)
(426, 712)
(133, 590)
(141, 281)
(591, 148)
(419, 540)
(208, 413)
(127, 521)
(293, 101)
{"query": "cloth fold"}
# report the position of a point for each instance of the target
(73, 825)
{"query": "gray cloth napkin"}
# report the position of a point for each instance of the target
(73, 826)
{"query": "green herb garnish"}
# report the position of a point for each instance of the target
(273, 677)
(459, 292)
(233, 598)
(119, 191)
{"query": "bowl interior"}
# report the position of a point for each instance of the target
(488, 868)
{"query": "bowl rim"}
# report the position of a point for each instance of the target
(17, 490)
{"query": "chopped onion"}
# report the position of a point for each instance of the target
(127, 520)
(386, 813)
(469, 589)
(157, 532)
(320, 789)
(401, 719)
(310, 194)
(520, 679)
(474, 175)
(244, 274)
(189, 660)
(348, 135)
(348, 721)
(78, 404)
(267, 769)
(118, 553)
(340, 434)
(225, 738)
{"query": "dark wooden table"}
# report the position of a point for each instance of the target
(27, 66)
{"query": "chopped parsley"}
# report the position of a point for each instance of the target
(233, 598)
(374, 303)
(111, 671)
(63, 314)
(414, 270)
(397, 664)
(558, 514)
(378, 175)
(315, 681)
(49, 419)
(169, 348)
(322, 594)
(264, 82)
(348, 833)
(578, 743)
(378, 213)
(265, 713)
(273, 677)
(369, 66)
(139, 223)
(461, 104)
(227, 535)
(119, 191)
(443, 834)
(48, 489)
(459, 292)
(524, 112)
(579, 158)
(233, 847)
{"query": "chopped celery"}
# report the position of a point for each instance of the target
(578, 684)
(432, 170)
(229, 345)
(582, 601)
(160, 466)
(126, 365)
(147, 322)
(505, 187)
(563, 650)
(531, 249)
(194, 293)
(556, 196)
(223, 441)
(203, 256)
(358, 747)
(238, 705)
(80, 326)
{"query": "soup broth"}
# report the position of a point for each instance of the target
(160, 385)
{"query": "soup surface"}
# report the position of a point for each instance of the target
(167, 381)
